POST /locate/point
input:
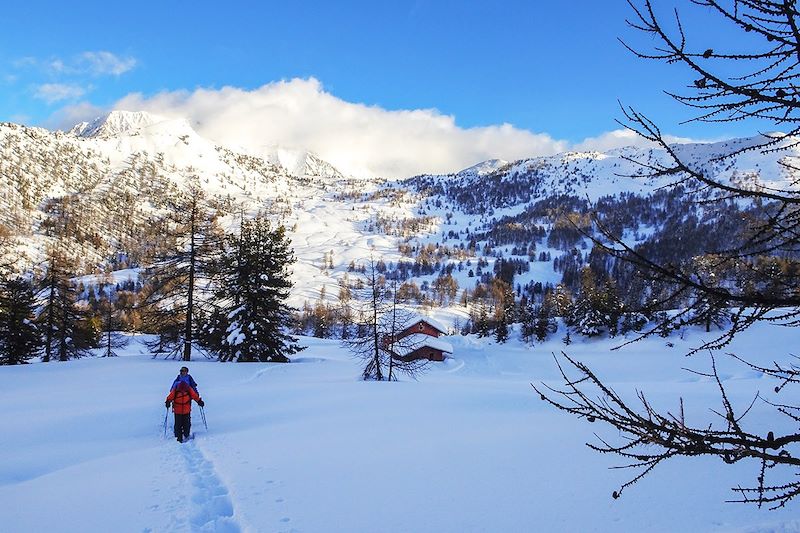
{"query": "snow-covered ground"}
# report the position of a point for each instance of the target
(308, 447)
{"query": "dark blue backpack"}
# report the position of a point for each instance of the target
(188, 379)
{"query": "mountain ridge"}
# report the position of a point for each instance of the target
(117, 175)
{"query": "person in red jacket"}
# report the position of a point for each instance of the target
(181, 399)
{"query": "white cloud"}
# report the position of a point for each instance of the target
(20, 118)
(25, 62)
(56, 92)
(620, 138)
(610, 140)
(57, 66)
(101, 63)
(71, 115)
(92, 63)
(356, 138)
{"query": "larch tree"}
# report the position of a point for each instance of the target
(110, 325)
(176, 299)
(379, 317)
(754, 80)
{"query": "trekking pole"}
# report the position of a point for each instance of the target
(166, 415)
(203, 415)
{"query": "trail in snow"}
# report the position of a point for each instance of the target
(211, 506)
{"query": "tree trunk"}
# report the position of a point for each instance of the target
(48, 347)
(187, 342)
(375, 334)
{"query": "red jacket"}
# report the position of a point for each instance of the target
(181, 398)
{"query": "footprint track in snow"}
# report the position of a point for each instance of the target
(212, 509)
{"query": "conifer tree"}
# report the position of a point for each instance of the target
(369, 308)
(344, 311)
(110, 327)
(504, 310)
(708, 308)
(527, 318)
(67, 333)
(380, 317)
(561, 302)
(253, 284)
(750, 78)
(480, 319)
(545, 324)
(587, 314)
(176, 298)
(19, 337)
(611, 306)
(322, 317)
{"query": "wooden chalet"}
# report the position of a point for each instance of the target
(419, 339)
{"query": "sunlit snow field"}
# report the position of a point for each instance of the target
(308, 447)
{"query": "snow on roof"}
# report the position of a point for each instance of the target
(432, 321)
(416, 341)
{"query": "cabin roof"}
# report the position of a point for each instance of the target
(416, 341)
(428, 320)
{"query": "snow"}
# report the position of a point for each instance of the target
(485, 167)
(308, 447)
(116, 123)
(326, 212)
(419, 340)
(414, 318)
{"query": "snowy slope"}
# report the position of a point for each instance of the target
(307, 447)
(116, 123)
(129, 164)
(125, 165)
(595, 174)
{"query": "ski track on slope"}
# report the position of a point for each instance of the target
(211, 506)
(259, 373)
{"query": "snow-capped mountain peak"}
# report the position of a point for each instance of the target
(298, 162)
(485, 167)
(116, 123)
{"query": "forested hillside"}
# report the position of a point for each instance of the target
(496, 244)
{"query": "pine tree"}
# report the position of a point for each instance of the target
(709, 310)
(527, 319)
(66, 331)
(252, 287)
(345, 314)
(611, 306)
(19, 336)
(561, 302)
(545, 324)
(481, 319)
(504, 310)
(587, 314)
(501, 330)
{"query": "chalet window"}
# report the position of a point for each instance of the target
(421, 326)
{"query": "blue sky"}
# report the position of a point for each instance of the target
(553, 68)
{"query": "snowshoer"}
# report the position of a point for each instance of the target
(185, 376)
(181, 399)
